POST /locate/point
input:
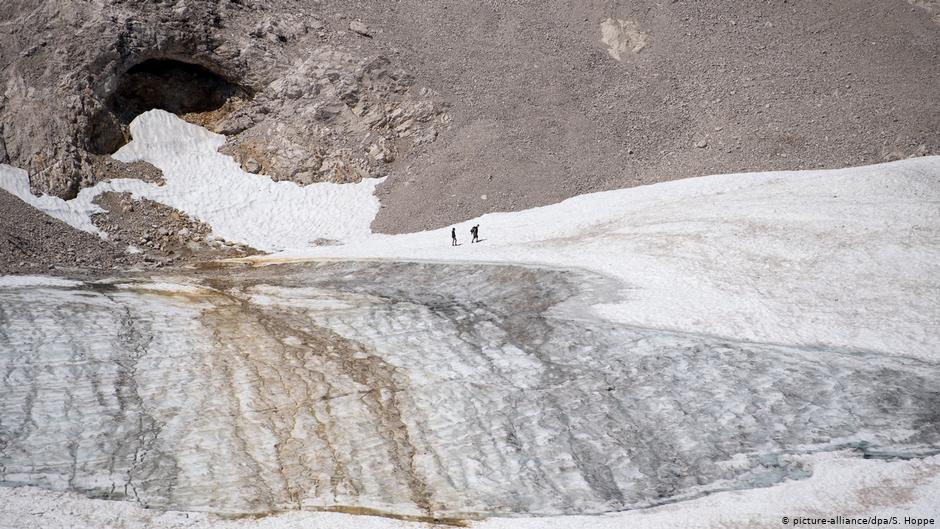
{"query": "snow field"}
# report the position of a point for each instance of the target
(846, 258)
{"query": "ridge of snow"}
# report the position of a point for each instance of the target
(76, 213)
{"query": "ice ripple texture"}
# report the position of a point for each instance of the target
(419, 389)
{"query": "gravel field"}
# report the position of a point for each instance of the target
(32, 242)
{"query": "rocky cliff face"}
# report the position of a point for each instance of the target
(294, 91)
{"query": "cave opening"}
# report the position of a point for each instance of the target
(171, 85)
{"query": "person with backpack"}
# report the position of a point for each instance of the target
(475, 233)
(453, 236)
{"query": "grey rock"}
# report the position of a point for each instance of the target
(241, 69)
(358, 27)
(235, 124)
(404, 126)
(252, 166)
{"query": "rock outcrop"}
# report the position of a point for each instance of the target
(298, 97)
(333, 117)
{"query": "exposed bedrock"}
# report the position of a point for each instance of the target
(298, 98)
(423, 389)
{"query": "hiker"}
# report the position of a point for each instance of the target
(453, 236)
(475, 233)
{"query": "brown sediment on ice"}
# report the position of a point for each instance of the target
(295, 369)
(363, 511)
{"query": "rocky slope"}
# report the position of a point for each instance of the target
(544, 109)
(141, 234)
(32, 242)
(161, 233)
(471, 107)
(284, 80)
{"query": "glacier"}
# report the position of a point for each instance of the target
(425, 389)
(704, 352)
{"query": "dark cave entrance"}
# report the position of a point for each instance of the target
(175, 86)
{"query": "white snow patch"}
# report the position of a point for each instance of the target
(846, 258)
(162, 286)
(241, 206)
(36, 281)
(76, 213)
(211, 187)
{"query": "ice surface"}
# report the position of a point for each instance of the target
(852, 485)
(423, 389)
